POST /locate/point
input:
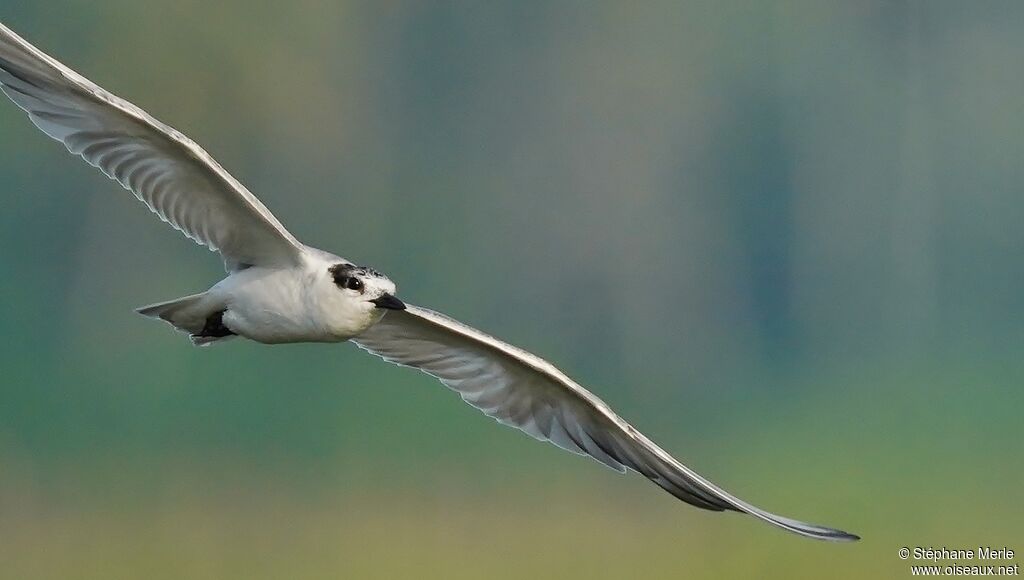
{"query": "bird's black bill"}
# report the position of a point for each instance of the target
(388, 301)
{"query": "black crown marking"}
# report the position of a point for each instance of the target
(342, 270)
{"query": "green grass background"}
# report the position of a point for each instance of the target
(783, 239)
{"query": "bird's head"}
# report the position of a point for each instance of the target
(366, 287)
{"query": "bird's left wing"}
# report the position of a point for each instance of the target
(166, 170)
(526, 392)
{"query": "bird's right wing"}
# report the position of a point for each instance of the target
(166, 170)
(524, 391)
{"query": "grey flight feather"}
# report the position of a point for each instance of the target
(524, 391)
(166, 170)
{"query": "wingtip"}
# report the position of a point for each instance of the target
(847, 537)
(839, 536)
(813, 531)
(824, 533)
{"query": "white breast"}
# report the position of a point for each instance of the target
(271, 306)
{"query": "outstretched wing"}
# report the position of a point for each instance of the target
(166, 170)
(526, 392)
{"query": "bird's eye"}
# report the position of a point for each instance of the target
(352, 283)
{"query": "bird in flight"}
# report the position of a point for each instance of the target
(279, 290)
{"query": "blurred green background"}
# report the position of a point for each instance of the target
(783, 239)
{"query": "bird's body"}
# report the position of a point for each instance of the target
(275, 306)
(298, 303)
(279, 290)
